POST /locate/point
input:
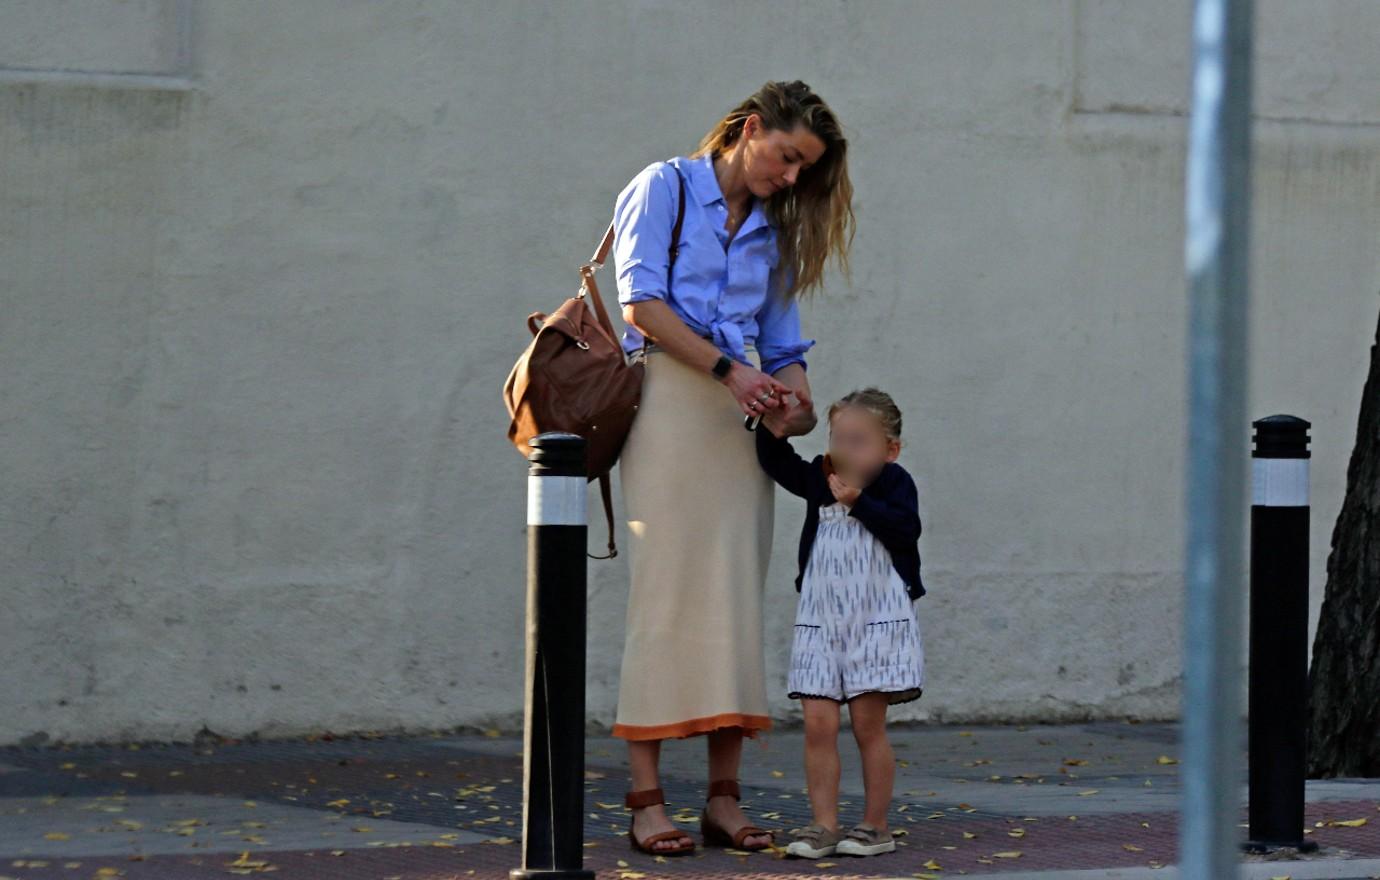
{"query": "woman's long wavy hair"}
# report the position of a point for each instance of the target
(815, 216)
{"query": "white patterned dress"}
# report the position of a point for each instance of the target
(855, 626)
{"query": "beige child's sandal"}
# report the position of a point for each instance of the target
(866, 840)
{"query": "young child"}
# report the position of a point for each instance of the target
(856, 639)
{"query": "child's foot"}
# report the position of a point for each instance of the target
(813, 842)
(866, 840)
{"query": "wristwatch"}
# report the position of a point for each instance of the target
(722, 367)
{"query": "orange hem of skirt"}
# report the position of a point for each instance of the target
(751, 725)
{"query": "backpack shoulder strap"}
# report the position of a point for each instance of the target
(606, 492)
(600, 254)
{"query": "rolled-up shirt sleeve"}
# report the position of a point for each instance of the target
(779, 342)
(642, 218)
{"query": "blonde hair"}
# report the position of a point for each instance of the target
(814, 216)
(876, 403)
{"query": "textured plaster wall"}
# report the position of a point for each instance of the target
(264, 267)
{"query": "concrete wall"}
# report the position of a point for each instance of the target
(265, 266)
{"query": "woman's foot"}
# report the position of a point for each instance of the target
(866, 840)
(652, 831)
(813, 842)
(724, 812)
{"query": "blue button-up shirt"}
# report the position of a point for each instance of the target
(724, 290)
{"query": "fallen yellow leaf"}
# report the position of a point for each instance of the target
(1349, 823)
(933, 865)
(1165, 759)
(1009, 854)
(57, 835)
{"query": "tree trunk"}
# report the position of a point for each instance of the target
(1344, 723)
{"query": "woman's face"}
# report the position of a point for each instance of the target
(773, 159)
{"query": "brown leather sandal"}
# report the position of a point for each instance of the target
(650, 797)
(716, 835)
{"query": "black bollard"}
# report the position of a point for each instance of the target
(1279, 634)
(554, 738)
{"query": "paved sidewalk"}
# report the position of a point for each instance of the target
(1076, 802)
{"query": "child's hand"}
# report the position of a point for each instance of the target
(794, 418)
(843, 493)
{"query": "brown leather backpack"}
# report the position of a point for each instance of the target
(575, 377)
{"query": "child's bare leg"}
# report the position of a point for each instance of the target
(822, 759)
(867, 713)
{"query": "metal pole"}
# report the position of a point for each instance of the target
(554, 732)
(1218, 198)
(1279, 634)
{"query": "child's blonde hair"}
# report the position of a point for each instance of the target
(875, 402)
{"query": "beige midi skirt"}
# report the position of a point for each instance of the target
(700, 512)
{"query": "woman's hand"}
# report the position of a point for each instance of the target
(843, 493)
(756, 392)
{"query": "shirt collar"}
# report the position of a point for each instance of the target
(703, 181)
(705, 187)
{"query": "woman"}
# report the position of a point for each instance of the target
(766, 202)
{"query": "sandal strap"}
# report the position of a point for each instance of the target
(648, 797)
(866, 833)
(726, 788)
(652, 839)
(749, 831)
(811, 834)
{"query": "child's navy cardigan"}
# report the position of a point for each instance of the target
(888, 506)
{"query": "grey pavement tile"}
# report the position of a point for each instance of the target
(166, 824)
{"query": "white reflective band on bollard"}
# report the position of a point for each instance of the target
(556, 501)
(1279, 482)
